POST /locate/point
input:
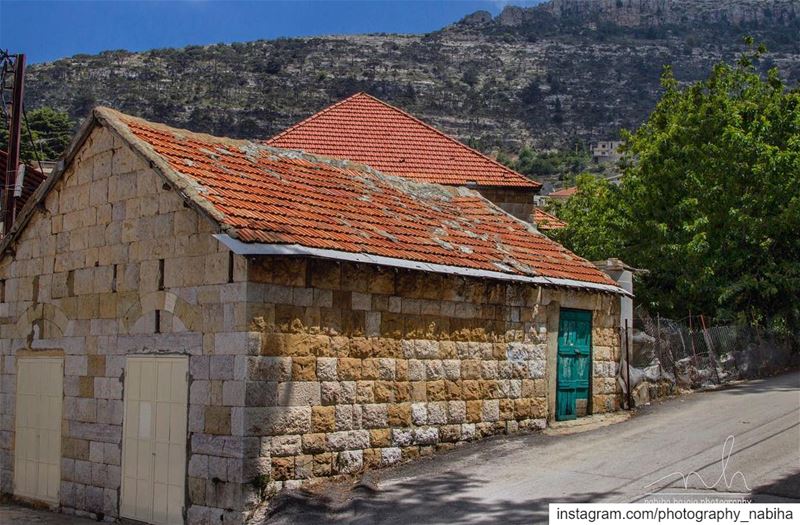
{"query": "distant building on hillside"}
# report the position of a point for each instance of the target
(606, 151)
(563, 194)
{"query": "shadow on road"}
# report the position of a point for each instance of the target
(444, 498)
(788, 487)
(783, 383)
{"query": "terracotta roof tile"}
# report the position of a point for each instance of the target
(546, 221)
(565, 192)
(365, 129)
(33, 178)
(273, 196)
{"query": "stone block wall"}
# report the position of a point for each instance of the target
(361, 366)
(111, 248)
(515, 201)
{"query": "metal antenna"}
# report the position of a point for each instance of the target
(12, 65)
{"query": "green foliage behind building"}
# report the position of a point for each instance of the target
(710, 201)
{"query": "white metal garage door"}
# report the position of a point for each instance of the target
(154, 439)
(37, 454)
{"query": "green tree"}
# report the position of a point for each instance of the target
(710, 200)
(50, 130)
(595, 218)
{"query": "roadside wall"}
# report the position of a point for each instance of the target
(361, 366)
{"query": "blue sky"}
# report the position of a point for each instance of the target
(47, 30)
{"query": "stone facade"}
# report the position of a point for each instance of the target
(515, 201)
(361, 366)
(298, 368)
(85, 282)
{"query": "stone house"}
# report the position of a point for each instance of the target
(365, 129)
(606, 151)
(188, 323)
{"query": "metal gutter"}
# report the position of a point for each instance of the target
(240, 248)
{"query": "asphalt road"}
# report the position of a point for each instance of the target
(513, 479)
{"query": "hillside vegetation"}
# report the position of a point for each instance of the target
(558, 75)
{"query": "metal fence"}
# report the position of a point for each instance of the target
(693, 352)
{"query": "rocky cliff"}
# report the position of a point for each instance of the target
(558, 75)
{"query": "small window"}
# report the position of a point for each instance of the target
(161, 274)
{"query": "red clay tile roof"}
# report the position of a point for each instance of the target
(33, 177)
(267, 195)
(365, 129)
(565, 192)
(545, 221)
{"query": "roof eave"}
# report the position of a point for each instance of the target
(254, 249)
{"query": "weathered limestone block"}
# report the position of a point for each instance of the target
(426, 436)
(299, 393)
(491, 410)
(451, 369)
(269, 368)
(436, 391)
(217, 420)
(402, 437)
(374, 416)
(348, 440)
(288, 445)
(380, 437)
(419, 413)
(434, 369)
(349, 461)
(323, 418)
(107, 388)
(323, 464)
(450, 433)
(437, 413)
(390, 456)
(349, 369)
(315, 443)
(273, 421)
(537, 369)
(94, 431)
(333, 393)
(400, 415)
(261, 393)
(416, 370)
(348, 417)
(326, 368)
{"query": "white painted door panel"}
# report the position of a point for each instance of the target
(37, 455)
(154, 439)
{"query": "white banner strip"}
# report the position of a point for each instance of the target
(674, 513)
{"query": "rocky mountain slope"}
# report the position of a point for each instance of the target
(557, 75)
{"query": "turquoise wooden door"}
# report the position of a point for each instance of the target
(574, 363)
